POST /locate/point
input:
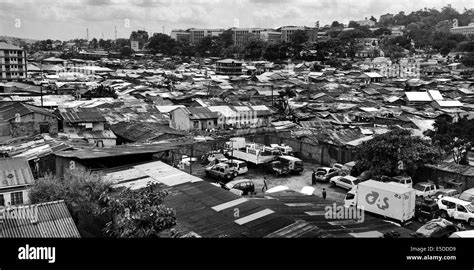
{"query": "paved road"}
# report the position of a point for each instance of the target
(292, 181)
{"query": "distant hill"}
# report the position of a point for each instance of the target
(17, 41)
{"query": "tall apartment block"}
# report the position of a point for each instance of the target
(12, 62)
(197, 34)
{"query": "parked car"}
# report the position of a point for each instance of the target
(456, 209)
(467, 195)
(246, 186)
(238, 165)
(324, 174)
(463, 234)
(425, 189)
(444, 193)
(403, 180)
(426, 209)
(346, 182)
(276, 167)
(436, 228)
(221, 171)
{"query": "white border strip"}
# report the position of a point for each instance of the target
(254, 216)
(226, 205)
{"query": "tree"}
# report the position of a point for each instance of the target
(395, 152)
(93, 43)
(161, 43)
(353, 24)
(141, 36)
(382, 32)
(100, 92)
(453, 137)
(255, 49)
(138, 213)
(272, 52)
(105, 44)
(296, 42)
(82, 194)
(125, 51)
(372, 18)
(208, 46)
(336, 24)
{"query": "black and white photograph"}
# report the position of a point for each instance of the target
(210, 121)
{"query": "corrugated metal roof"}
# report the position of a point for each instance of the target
(80, 115)
(203, 208)
(196, 113)
(312, 211)
(45, 220)
(122, 150)
(15, 172)
(8, 110)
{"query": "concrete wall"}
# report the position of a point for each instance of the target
(7, 195)
(31, 124)
(68, 165)
(77, 128)
(179, 120)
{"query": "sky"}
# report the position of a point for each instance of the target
(68, 19)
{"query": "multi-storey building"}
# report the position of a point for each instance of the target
(181, 36)
(229, 67)
(366, 22)
(196, 35)
(271, 37)
(288, 31)
(12, 62)
(464, 30)
(398, 30)
(241, 36)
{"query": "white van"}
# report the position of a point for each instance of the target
(238, 165)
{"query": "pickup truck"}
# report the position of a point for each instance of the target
(324, 174)
(425, 189)
(276, 167)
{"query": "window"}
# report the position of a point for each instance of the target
(2, 200)
(460, 208)
(196, 124)
(16, 198)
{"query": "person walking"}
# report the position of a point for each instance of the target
(265, 187)
(324, 193)
(313, 178)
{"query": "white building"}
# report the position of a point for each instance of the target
(464, 30)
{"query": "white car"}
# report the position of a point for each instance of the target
(463, 234)
(467, 195)
(456, 209)
(239, 165)
(346, 182)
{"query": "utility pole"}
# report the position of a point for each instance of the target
(87, 30)
(163, 29)
(190, 159)
(41, 93)
(272, 95)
